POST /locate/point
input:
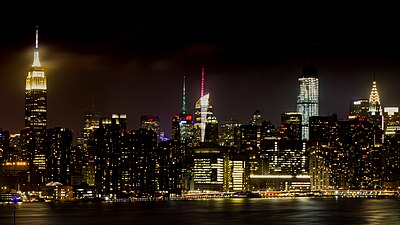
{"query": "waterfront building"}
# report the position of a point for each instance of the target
(59, 161)
(326, 157)
(391, 148)
(4, 145)
(84, 154)
(143, 148)
(208, 169)
(109, 142)
(169, 168)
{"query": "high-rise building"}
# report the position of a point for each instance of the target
(35, 117)
(15, 152)
(251, 135)
(374, 101)
(206, 124)
(109, 140)
(375, 113)
(308, 96)
(236, 175)
(144, 148)
(291, 126)
(182, 124)
(392, 120)
(208, 170)
(358, 108)
(86, 146)
(169, 168)
(344, 154)
(250, 138)
(4, 145)
(151, 122)
(256, 119)
(326, 157)
(230, 132)
(36, 95)
(58, 147)
(391, 148)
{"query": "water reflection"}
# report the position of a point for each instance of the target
(211, 211)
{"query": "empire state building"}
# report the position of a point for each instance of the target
(36, 95)
(36, 118)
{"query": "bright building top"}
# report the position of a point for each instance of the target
(36, 79)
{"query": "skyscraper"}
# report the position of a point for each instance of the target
(375, 113)
(308, 98)
(291, 126)
(110, 155)
(151, 122)
(58, 146)
(36, 116)
(256, 119)
(206, 124)
(374, 101)
(182, 124)
(358, 108)
(36, 95)
(230, 132)
(84, 157)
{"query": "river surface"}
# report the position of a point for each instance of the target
(301, 210)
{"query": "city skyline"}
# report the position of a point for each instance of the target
(250, 64)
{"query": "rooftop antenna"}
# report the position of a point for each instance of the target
(36, 61)
(37, 37)
(184, 96)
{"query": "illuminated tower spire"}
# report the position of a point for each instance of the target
(374, 100)
(374, 96)
(202, 82)
(36, 93)
(36, 118)
(184, 97)
(206, 124)
(36, 62)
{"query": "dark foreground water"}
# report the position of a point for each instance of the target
(210, 211)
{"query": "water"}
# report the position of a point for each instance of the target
(211, 211)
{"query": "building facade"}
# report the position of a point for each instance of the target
(34, 131)
(205, 123)
(308, 97)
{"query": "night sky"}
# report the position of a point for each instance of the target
(133, 59)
